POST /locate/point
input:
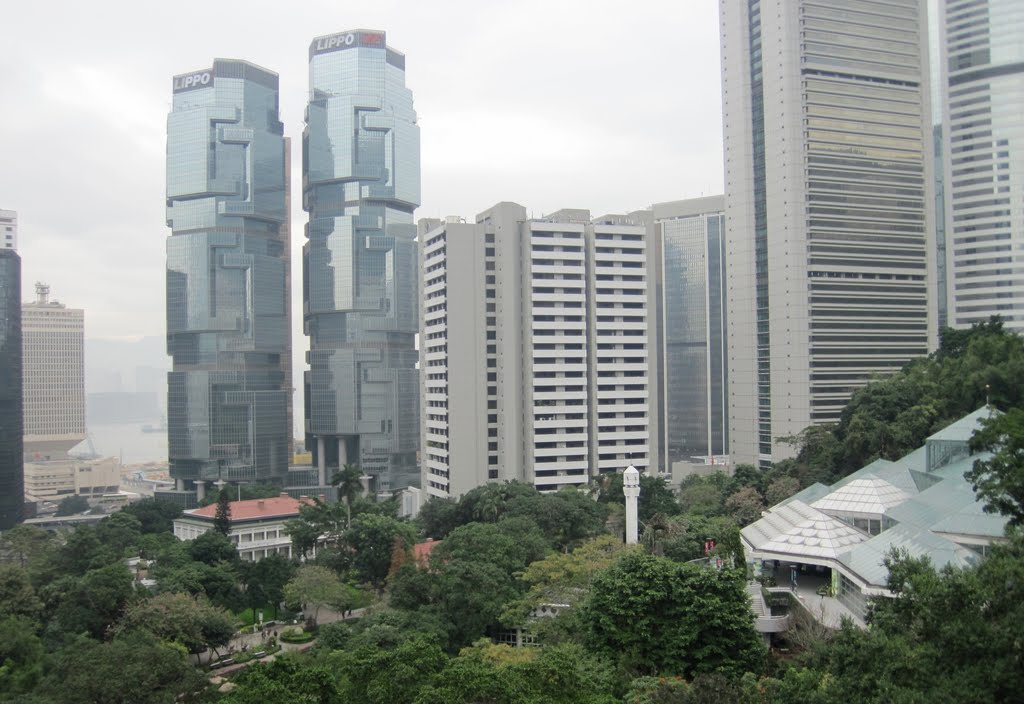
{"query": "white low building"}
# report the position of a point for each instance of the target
(257, 525)
(835, 539)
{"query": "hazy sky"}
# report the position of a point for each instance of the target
(609, 106)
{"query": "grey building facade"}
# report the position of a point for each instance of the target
(983, 159)
(828, 208)
(12, 475)
(537, 336)
(690, 275)
(227, 274)
(361, 184)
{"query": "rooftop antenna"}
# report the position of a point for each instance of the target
(988, 398)
(42, 293)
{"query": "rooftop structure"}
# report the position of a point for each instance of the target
(920, 503)
(257, 525)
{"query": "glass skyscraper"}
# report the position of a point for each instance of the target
(983, 153)
(12, 477)
(361, 184)
(692, 322)
(227, 273)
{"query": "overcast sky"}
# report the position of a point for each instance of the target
(609, 106)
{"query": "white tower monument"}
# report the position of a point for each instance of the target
(631, 488)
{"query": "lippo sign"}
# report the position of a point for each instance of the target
(191, 81)
(346, 40)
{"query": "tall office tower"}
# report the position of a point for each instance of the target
(361, 184)
(536, 349)
(12, 479)
(828, 193)
(227, 274)
(690, 276)
(8, 229)
(53, 363)
(983, 100)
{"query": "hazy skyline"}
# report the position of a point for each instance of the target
(593, 105)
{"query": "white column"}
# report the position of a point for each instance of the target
(200, 490)
(342, 453)
(631, 488)
(321, 461)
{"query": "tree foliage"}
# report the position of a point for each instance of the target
(316, 587)
(656, 616)
(222, 516)
(179, 618)
(892, 416)
(71, 505)
(999, 479)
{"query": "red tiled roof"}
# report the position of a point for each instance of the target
(253, 509)
(421, 551)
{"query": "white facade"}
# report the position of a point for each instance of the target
(983, 132)
(534, 346)
(828, 222)
(53, 480)
(54, 377)
(8, 229)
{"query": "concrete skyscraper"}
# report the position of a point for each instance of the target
(361, 184)
(691, 284)
(227, 274)
(828, 193)
(12, 481)
(53, 362)
(536, 344)
(983, 159)
(8, 229)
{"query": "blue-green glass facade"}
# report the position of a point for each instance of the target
(227, 261)
(361, 184)
(12, 477)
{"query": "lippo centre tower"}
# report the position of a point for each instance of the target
(361, 184)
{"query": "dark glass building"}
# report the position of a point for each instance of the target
(227, 274)
(12, 476)
(361, 184)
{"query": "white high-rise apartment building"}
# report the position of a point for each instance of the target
(8, 229)
(983, 131)
(534, 349)
(828, 186)
(53, 363)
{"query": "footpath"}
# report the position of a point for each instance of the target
(249, 641)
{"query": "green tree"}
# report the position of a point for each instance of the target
(655, 495)
(999, 479)
(316, 587)
(657, 616)
(131, 670)
(389, 676)
(705, 495)
(372, 540)
(21, 656)
(213, 547)
(347, 479)
(120, 533)
(26, 546)
(91, 603)
(154, 515)
(438, 517)
(565, 517)
(745, 506)
(781, 489)
(71, 505)
(179, 618)
(286, 679)
(222, 516)
(265, 580)
(17, 596)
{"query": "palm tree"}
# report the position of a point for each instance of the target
(347, 479)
